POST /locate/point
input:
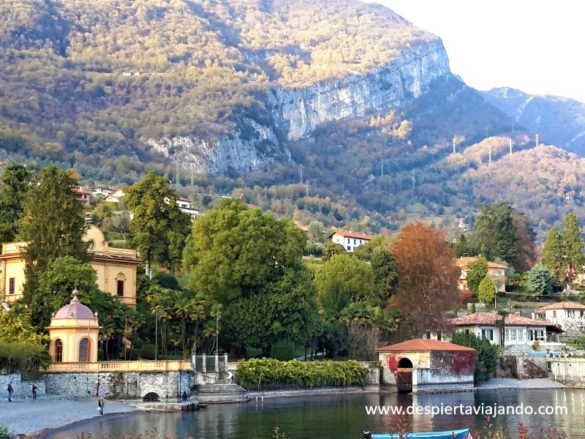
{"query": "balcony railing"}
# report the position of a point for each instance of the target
(123, 366)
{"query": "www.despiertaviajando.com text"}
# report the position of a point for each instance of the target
(492, 410)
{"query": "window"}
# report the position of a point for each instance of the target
(513, 335)
(120, 279)
(11, 285)
(58, 351)
(507, 335)
(84, 350)
(354, 242)
(488, 334)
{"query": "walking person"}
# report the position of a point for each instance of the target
(101, 404)
(10, 391)
(34, 391)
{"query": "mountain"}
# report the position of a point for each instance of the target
(334, 110)
(560, 121)
(216, 84)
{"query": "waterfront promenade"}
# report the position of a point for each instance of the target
(28, 416)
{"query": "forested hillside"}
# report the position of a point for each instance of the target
(92, 79)
(332, 110)
(560, 121)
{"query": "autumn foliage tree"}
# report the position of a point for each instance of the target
(427, 286)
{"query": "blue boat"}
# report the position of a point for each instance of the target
(448, 434)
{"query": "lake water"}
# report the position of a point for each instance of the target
(344, 417)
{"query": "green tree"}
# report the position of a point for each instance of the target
(386, 275)
(284, 310)
(487, 355)
(540, 281)
(15, 181)
(236, 251)
(572, 247)
(552, 254)
(53, 223)
(158, 228)
(16, 327)
(341, 280)
(487, 290)
(316, 231)
(476, 272)
(331, 249)
(495, 235)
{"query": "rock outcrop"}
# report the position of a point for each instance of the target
(296, 113)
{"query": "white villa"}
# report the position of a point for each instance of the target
(569, 316)
(519, 331)
(349, 240)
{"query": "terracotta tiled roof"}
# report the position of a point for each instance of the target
(491, 318)
(562, 305)
(464, 262)
(350, 235)
(421, 344)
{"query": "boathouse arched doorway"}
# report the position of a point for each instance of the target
(404, 375)
(151, 397)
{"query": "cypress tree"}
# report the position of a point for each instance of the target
(53, 224)
(572, 246)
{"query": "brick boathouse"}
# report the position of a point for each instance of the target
(426, 365)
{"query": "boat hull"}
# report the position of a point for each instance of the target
(449, 434)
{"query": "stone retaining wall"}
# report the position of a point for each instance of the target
(120, 385)
(22, 389)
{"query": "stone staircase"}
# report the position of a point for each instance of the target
(220, 393)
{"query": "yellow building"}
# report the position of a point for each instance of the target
(74, 332)
(115, 268)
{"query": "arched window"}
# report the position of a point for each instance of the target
(58, 351)
(84, 350)
(120, 281)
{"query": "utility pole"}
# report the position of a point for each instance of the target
(490, 154)
(413, 179)
(510, 145)
(307, 189)
(537, 140)
(192, 177)
(454, 145)
(177, 174)
(301, 175)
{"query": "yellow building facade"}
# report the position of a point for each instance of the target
(74, 333)
(115, 268)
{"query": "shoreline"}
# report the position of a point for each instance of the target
(45, 412)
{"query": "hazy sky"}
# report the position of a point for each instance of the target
(532, 45)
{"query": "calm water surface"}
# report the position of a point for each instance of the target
(343, 417)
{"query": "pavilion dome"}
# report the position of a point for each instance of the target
(74, 310)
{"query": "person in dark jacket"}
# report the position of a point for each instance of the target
(10, 391)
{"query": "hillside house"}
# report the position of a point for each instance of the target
(82, 195)
(569, 316)
(349, 240)
(114, 197)
(186, 207)
(518, 330)
(115, 268)
(496, 271)
(102, 191)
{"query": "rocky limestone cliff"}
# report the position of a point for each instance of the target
(298, 112)
(249, 147)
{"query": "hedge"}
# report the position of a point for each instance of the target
(23, 357)
(268, 373)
